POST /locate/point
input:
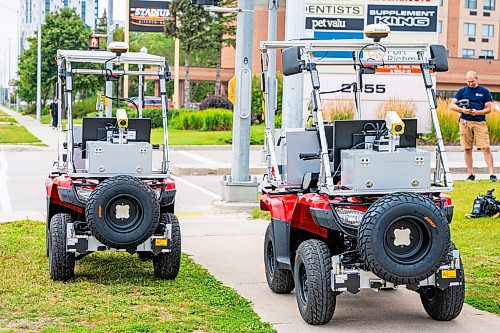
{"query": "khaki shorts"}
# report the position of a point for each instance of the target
(474, 131)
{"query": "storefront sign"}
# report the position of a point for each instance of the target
(404, 18)
(148, 16)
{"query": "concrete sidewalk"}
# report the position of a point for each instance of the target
(231, 248)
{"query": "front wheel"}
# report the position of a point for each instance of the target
(61, 262)
(166, 265)
(312, 273)
(279, 280)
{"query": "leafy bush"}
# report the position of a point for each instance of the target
(207, 120)
(406, 108)
(84, 107)
(216, 102)
(257, 97)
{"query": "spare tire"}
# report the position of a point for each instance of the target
(122, 212)
(403, 238)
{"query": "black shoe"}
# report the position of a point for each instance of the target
(472, 177)
(493, 178)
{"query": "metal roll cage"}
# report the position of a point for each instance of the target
(65, 59)
(442, 177)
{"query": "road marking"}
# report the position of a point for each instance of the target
(199, 188)
(196, 157)
(5, 203)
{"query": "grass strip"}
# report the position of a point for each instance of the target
(16, 134)
(112, 292)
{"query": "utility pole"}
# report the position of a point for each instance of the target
(126, 37)
(272, 24)
(8, 79)
(39, 65)
(109, 84)
(239, 187)
(293, 86)
(18, 53)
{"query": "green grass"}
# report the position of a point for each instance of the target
(5, 118)
(112, 292)
(15, 134)
(478, 241)
(193, 137)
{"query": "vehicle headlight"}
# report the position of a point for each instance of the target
(350, 217)
(83, 192)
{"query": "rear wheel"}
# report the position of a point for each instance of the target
(61, 262)
(312, 273)
(443, 305)
(279, 280)
(166, 265)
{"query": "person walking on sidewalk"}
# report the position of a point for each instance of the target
(472, 122)
(53, 112)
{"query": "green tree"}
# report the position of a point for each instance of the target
(64, 30)
(224, 31)
(191, 25)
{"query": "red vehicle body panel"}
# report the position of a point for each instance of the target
(65, 181)
(295, 209)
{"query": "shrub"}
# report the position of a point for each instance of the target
(84, 107)
(216, 102)
(207, 120)
(338, 109)
(257, 97)
(406, 108)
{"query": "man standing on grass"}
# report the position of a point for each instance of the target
(53, 113)
(472, 122)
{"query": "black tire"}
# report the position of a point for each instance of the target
(313, 288)
(61, 262)
(143, 210)
(166, 265)
(279, 280)
(426, 242)
(444, 305)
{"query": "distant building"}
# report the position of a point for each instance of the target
(87, 9)
(470, 29)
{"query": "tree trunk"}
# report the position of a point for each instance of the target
(217, 71)
(187, 84)
(44, 98)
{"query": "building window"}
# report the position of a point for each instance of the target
(30, 11)
(441, 3)
(489, 5)
(471, 4)
(486, 54)
(470, 29)
(488, 30)
(468, 53)
(47, 6)
(440, 26)
(65, 2)
(84, 10)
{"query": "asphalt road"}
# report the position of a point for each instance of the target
(230, 247)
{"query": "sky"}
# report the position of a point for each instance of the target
(8, 29)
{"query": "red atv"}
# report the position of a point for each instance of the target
(352, 203)
(104, 193)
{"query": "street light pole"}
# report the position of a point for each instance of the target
(272, 24)
(39, 65)
(109, 84)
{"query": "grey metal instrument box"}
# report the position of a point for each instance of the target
(106, 158)
(365, 169)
